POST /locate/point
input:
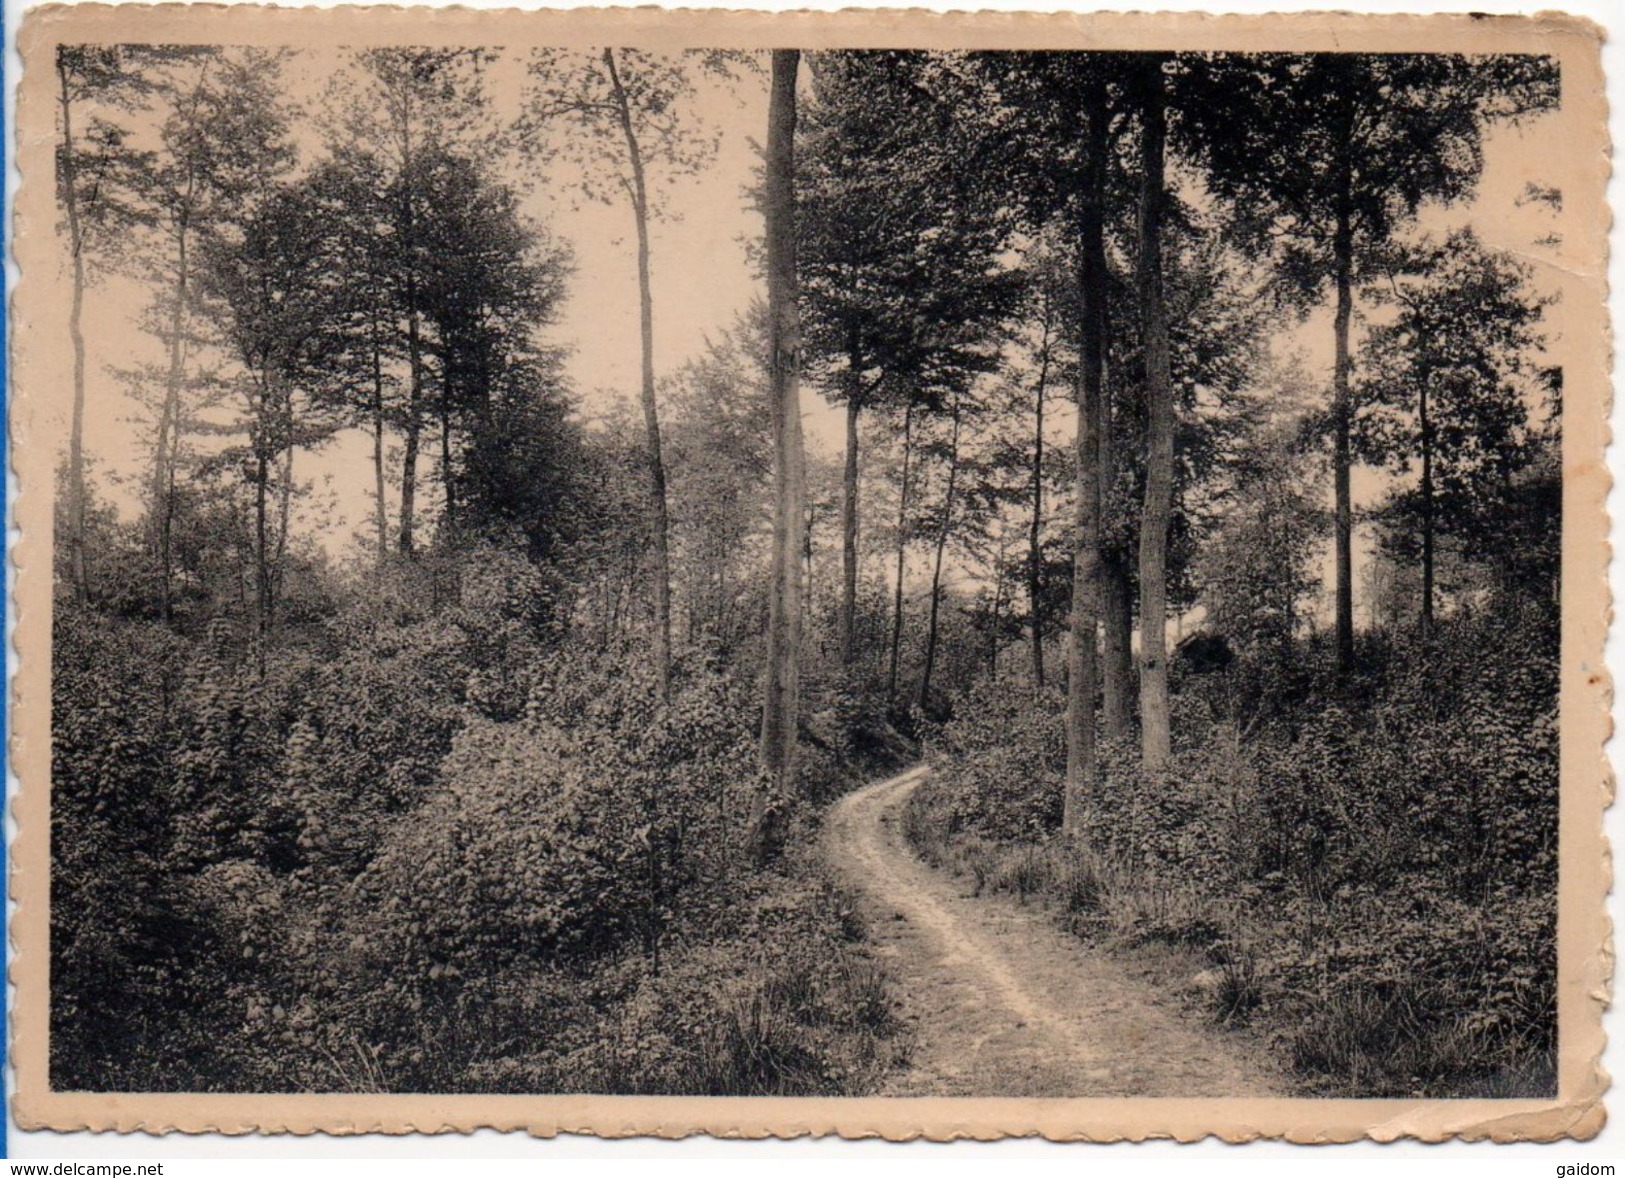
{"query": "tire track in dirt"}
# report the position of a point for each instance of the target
(1004, 1003)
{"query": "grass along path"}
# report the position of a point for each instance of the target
(1003, 1003)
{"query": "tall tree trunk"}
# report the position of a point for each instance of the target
(262, 555)
(1426, 426)
(448, 474)
(1116, 591)
(1343, 529)
(380, 507)
(166, 451)
(1035, 528)
(781, 681)
(284, 522)
(936, 567)
(414, 420)
(170, 499)
(414, 343)
(659, 526)
(1155, 734)
(1082, 670)
(849, 516)
(808, 586)
(262, 539)
(77, 573)
(1117, 616)
(997, 616)
(165, 456)
(902, 551)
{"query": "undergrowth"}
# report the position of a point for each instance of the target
(429, 854)
(1370, 884)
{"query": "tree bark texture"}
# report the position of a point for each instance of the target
(380, 506)
(781, 680)
(1082, 663)
(1116, 592)
(1117, 617)
(1155, 733)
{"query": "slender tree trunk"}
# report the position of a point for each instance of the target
(1035, 529)
(1343, 527)
(414, 344)
(169, 416)
(448, 475)
(1116, 591)
(659, 526)
(1117, 616)
(781, 681)
(902, 551)
(380, 507)
(414, 421)
(849, 522)
(1426, 426)
(166, 452)
(76, 436)
(244, 606)
(936, 567)
(997, 615)
(1082, 669)
(808, 586)
(262, 572)
(1155, 734)
(262, 540)
(284, 521)
(170, 499)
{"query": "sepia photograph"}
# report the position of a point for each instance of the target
(602, 560)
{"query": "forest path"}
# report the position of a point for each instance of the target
(1001, 1001)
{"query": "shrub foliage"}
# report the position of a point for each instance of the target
(430, 851)
(1373, 880)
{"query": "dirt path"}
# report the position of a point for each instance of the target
(1005, 1003)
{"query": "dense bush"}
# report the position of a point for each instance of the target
(1372, 875)
(1008, 752)
(432, 848)
(781, 1003)
(118, 941)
